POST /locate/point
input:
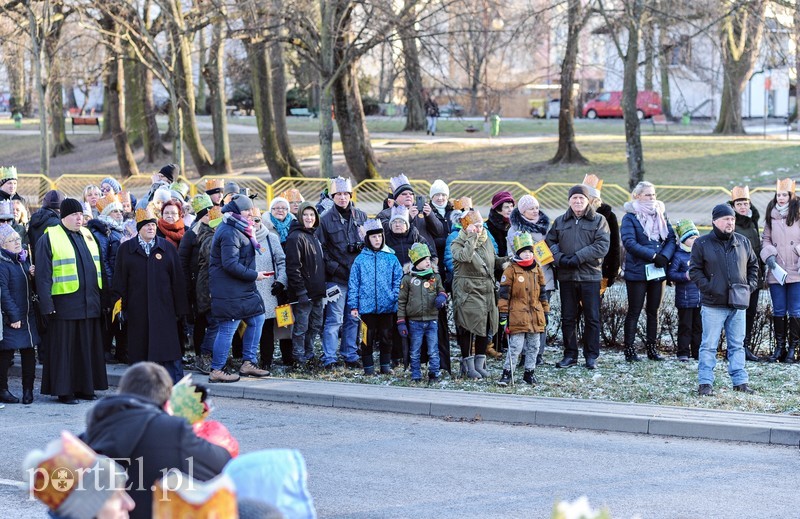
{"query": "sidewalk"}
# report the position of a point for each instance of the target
(553, 412)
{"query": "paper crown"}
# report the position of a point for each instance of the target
(787, 184)
(418, 252)
(372, 227)
(739, 193)
(180, 495)
(8, 173)
(523, 240)
(294, 195)
(462, 204)
(6, 210)
(339, 185)
(594, 184)
(180, 187)
(399, 212)
(399, 184)
(471, 217)
(103, 202)
(124, 197)
(255, 212)
(145, 214)
(214, 185)
(200, 202)
(215, 212)
(685, 228)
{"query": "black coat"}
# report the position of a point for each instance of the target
(232, 275)
(613, 260)
(401, 243)
(130, 427)
(108, 239)
(305, 268)
(717, 264)
(335, 234)
(16, 288)
(41, 220)
(440, 240)
(189, 251)
(153, 298)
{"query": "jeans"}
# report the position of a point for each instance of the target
(416, 331)
(638, 291)
(431, 124)
(212, 329)
(518, 342)
(577, 296)
(785, 299)
(690, 332)
(174, 368)
(337, 316)
(222, 343)
(714, 320)
(307, 324)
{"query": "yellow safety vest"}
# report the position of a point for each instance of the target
(65, 267)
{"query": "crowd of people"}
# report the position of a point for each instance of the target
(116, 279)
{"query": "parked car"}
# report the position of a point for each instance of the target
(538, 108)
(607, 104)
(451, 110)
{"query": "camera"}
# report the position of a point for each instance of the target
(353, 248)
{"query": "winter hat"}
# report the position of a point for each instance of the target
(527, 202)
(523, 241)
(144, 215)
(303, 207)
(439, 186)
(180, 187)
(293, 195)
(70, 206)
(176, 195)
(214, 186)
(418, 252)
(593, 185)
(162, 195)
(685, 228)
(169, 172)
(340, 185)
(578, 189)
(399, 185)
(52, 199)
(115, 186)
(501, 198)
(201, 204)
(6, 210)
(369, 228)
(277, 200)
(6, 231)
(231, 188)
(242, 202)
(7, 173)
(722, 210)
(399, 212)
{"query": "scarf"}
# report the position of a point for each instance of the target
(685, 248)
(428, 272)
(650, 214)
(783, 210)
(20, 256)
(523, 263)
(441, 209)
(262, 234)
(173, 232)
(282, 227)
(242, 224)
(110, 222)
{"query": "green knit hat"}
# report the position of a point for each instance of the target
(684, 229)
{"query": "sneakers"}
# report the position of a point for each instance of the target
(529, 377)
(743, 388)
(683, 358)
(249, 369)
(505, 379)
(217, 375)
(705, 390)
(202, 363)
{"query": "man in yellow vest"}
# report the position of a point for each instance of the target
(69, 281)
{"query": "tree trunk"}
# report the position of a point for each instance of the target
(327, 38)
(61, 144)
(214, 73)
(69, 92)
(134, 104)
(663, 66)
(741, 35)
(353, 125)
(15, 66)
(648, 36)
(40, 70)
(797, 62)
(116, 112)
(201, 64)
(633, 138)
(415, 104)
(567, 148)
(262, 102)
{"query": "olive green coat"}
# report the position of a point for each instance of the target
(474, 300)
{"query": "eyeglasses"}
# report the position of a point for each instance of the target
(14, 240)
(276, 208)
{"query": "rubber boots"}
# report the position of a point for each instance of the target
(779, 323)
(480, 365)
(468, 368)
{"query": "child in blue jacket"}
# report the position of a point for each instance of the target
(372, 293)
(687, 295)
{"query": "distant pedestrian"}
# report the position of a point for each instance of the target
(431, 115)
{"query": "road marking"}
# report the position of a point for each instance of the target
(13, 483)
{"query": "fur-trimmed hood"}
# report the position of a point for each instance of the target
(408, 266)
(523, 225)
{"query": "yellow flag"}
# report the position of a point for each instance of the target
(284, 316)
(363, 328)
(117, 309)
(542, 253)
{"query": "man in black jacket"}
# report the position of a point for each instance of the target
(725, 269)
(133, 429)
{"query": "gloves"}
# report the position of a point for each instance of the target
(303, 299)
(402, 329)
(503, 319)
(771, 263)
(564, 261)
(278, 289)
(574, 262)
(441, 300)
(661, 261)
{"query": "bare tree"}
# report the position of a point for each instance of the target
(415, 104)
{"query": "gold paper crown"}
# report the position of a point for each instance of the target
(145, 214)
(787, 184)
(592, 181)
(214, 213)
(255, 212)
(179, 495)
(214, 183)
(738, 193)
(110, 198)
(462, 204)
(57, 469)
(471, 217)
(523, 240)
(292, 195)
(124, 197)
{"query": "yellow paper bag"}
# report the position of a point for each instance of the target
(117, 309)
(542, 253)
(284, 316)
(363, 329)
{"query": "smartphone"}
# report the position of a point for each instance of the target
(420, 203)
(269, 273)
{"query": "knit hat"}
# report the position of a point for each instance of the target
(740, 193)
(52, 199)
(70, 206)
(144, 215)
(722, 210)
(7, 173)
(6, 231)
(399, 212)
(369, 228)
(242, 202)
(231, 188)
(471, 217)
(201, 204)
(399, 184)
(169, 171)
(578, 189)
(418, 252)
(276, 200)
(162, 195)
(180, 187)
(437, 187)
(176, 195)
(115, 186)
(214, 186)
(340, 185)
(527, 202)
(787, 184)
(6, 210)
(523, 241)
(685, 228)
(501, 198)
(593, 185)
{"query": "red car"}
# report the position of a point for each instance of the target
(607, 104)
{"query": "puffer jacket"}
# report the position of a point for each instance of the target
(474, 301)
(783, 242)
(717, 264)
(539, 232)
(335, 233)
(441, 240)
(272, 259)
(305, 267)
(374, 283)
(401, 243)
(522, 298)
(687, 295)
(586, 237)
(747, 226)
(16, 288)
(108, 239)
(205, 236)
(418, 295)
(639, 249)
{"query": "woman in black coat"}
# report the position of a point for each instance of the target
(19, 322)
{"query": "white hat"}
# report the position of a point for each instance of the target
(439, 187)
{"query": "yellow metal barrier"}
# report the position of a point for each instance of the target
(33, 188)
(310, 188)
(371, 193)
(482, 191)
(253, 183)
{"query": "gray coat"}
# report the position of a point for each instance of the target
(272, 259)
(586, 237)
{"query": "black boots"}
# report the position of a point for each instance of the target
(630, 353)
(794, 339)
(505, 379)
(7, 398)
(779, 323)
(27, 396)
(529, 377)
(652, 353)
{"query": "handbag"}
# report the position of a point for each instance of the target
(739, 296)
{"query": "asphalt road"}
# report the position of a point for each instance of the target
(370, 465)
